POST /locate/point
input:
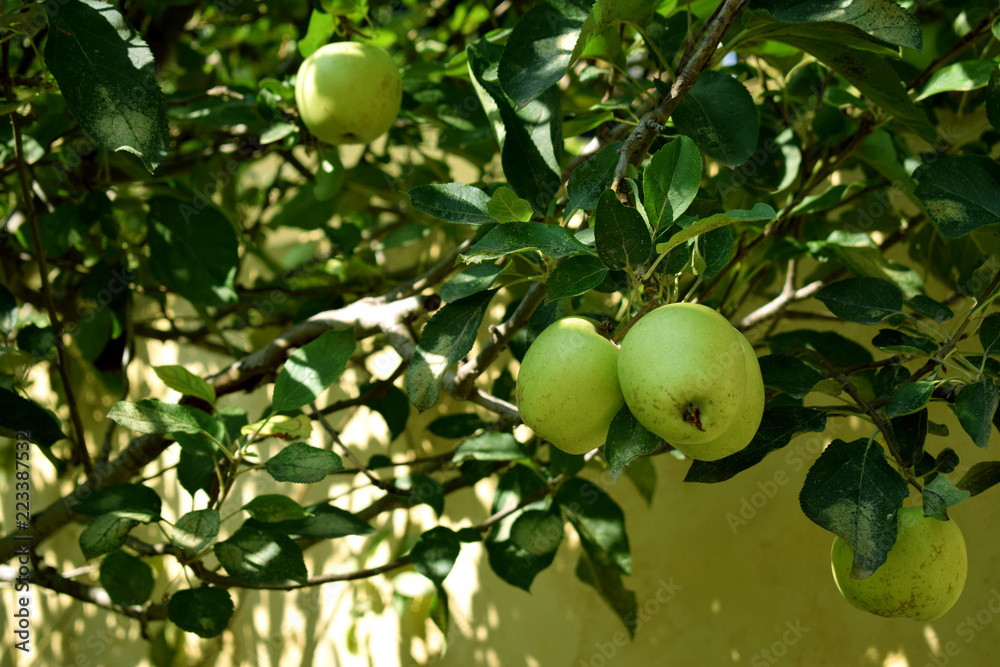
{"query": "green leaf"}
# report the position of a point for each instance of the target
(892, 340)
(490, 446)
(506, 206)
(204, 611)
(330, 173)
(671, 181)
(622, 235)
(882, 19)
(758, 213)
(274, 508)
(598, 520)
(321, 29)
(106, 534)
(591, 179)
(153, 416)
(609, 12)
(909, 398)
(258, 557)
(502, 240)
(975, 406)
(789, 374)
(575, 276)
(193, 250)
(447, 337)
(939, 494)
(303, 464)
(538, 532)
(540, 48)
(181, 379)
(477, 278)
(777, 428)
(873, 76)
(196, 530)
(439, 609)
(19, 414)
(993, 98)
(435, 552)
(964, 75)
(718, 113)
(106, 73)
(530, 137)
(326, 522)
(852, 491)
(961, 193)
(515, 563)
(127, 579)
(452, 202)
(862, 300)
(627, 441)
(312, 368)
(135, 500)
(980, 477)
(8, 312)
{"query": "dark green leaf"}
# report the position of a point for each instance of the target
(939, 494)
(830, 345)
(153, 416)
(909, 398)
(928, 307)
(193, 250)
(910, 433)
(456, 426)
(8, 311)
(882, 19)
(599, 522)
(892, 340)
(515, 564)
(961, 193)
(502, 240)
(993, 99)
(592, 178)
(989, 334)
(326, 522)
(452, 202)
(195, 470)
(777, 428)
(258, 557)
(19, 415)
(106, 534)
(204, 611)
(530, 137)
(627, 441)
(862, 300)
(490, 446)
(447, 337)
(643, 475)
(195, 530)
(139, 502)
(575, 276)
(312, 368)
(789, 374)
(853, 492)
(439, 609)
(975, 406)
(273, 508)
(426, 491)
(127, 579)
(394, 408)
(303, 464)
(980, 477)
(540, 48)
(623, 239)
(435, 552)
(106, 73)
(477, 278)
(718, 113)
(671, 181)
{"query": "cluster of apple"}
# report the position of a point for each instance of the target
(685, 373)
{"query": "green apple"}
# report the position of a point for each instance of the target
(683, 373)
(567, 387)
(922, 577)
(348, 93)
(746, 422)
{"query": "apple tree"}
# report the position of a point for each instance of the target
(805, 169)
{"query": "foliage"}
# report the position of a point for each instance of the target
(595, 157)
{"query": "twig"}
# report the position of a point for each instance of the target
(651, 124)
(789, 294)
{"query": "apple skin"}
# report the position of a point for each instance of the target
(567, 386)
(683, 373)
(922, 577)
(746, 422)
(348, 93)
